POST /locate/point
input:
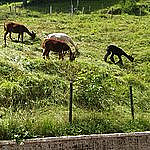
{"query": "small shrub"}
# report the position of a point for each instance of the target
(131, 7)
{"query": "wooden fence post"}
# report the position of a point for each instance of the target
(131, 102)
(82, 10)
(50, 9)
(15, 7)
(10, 8)
(70, 103)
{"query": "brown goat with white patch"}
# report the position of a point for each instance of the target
(16, 28)
(56, 46)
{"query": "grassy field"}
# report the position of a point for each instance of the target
(34, 93)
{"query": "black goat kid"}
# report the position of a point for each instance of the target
(114, 50)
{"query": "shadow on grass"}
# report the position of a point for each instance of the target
(28, 42)
(24, 42)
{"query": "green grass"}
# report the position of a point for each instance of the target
(34, 93)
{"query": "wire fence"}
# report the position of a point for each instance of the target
(68, 6)
(62, 6)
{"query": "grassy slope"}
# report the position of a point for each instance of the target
(34, 93)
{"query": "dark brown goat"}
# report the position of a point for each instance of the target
(16, 28)
(56, 46)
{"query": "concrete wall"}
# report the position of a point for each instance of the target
(131, 141)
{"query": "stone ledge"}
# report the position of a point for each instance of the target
(117, 141)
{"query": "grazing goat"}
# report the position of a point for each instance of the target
(63, 37)
(56, 46)
(114, 50)
(16, 28)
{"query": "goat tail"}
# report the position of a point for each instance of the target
(43, 43)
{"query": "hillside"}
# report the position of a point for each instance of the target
(34, 93)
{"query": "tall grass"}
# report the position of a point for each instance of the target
(34, 93)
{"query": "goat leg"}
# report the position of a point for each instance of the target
(5, 37)
(10, 36)
(18, 37)
(107, 54)
(46, 53)
(22, 37)
(112, 58)
(120, 60)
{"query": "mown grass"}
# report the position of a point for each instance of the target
(34, 93)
